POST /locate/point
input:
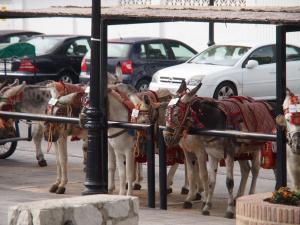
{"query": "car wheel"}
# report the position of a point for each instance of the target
(67, 78)
(142, 85)
(225, 90)
(8, 148)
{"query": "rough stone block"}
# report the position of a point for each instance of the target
(83, 210)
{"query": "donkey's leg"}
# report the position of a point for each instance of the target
(138, 168)
(170, 177)
(213, 168)
(254, 170)
(202, 176)
(122, 172)
(63, 160)
(54, 187)
(111, 168)
(37, 136)
(190, 161)
(245, 170)
(229, 184)
(129, 170)
(185, 187)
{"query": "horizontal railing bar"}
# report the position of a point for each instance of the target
(3, 141)
(39, 117)
(60, 119)
(116, 124)
(232, 133)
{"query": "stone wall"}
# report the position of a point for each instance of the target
(84, 210)
(252, 210)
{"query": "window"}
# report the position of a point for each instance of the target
(139, 51)
(292, 53)
(118, 50)
(223, 55)
(156, 51)
(264, 55)
(181, 52)
(12, 39)
(78, 48)
(43, 45)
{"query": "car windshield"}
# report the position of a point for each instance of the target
(222, 55)
(43, 45)
(118, 50)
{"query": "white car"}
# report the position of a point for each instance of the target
(227, 70)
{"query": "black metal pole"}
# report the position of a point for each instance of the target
(211, 34)
(162, 171)
(96, 172)
(151, 166)
(280, 96)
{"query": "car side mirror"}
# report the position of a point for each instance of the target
(251, 64)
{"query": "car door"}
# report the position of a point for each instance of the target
(75, 51)
(180, 52)
(157, 57)
(259, 81)
(293, 68)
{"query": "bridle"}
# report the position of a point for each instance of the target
(293, 110)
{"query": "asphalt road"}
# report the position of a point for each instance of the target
(22, 180)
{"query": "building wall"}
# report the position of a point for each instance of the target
(194, 34)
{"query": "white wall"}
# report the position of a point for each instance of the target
(192, 33)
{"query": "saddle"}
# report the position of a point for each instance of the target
(74, 107)
(246, 114)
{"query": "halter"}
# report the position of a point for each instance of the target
(185, 109)
(293, 109)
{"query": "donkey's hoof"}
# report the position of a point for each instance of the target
(54, 188)
(229, 215)
(137, 187)
(187, 205)
(205, 213)
(61, 190)
(169, 190)
(198, 196)
(42, 163)
(184, 191)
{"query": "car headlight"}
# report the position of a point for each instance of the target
(195, 80)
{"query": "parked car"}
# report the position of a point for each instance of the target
(56, 57)
(137, 59)
(15, 36)
(227, 70)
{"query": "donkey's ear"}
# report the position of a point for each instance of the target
(146, 100)
(195, 89)
(280, 120)
(182, 87)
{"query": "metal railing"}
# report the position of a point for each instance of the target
(150, 146)
(150, 140)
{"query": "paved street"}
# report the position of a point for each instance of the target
(21, 180)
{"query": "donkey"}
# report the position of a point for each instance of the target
(150, 111)
(29, 99)
(190, 111)
(120, 147)
(291, 121)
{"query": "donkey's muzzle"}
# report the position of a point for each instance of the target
(294, 143)
(170, 139)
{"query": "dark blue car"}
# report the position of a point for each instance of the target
(137, 59)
